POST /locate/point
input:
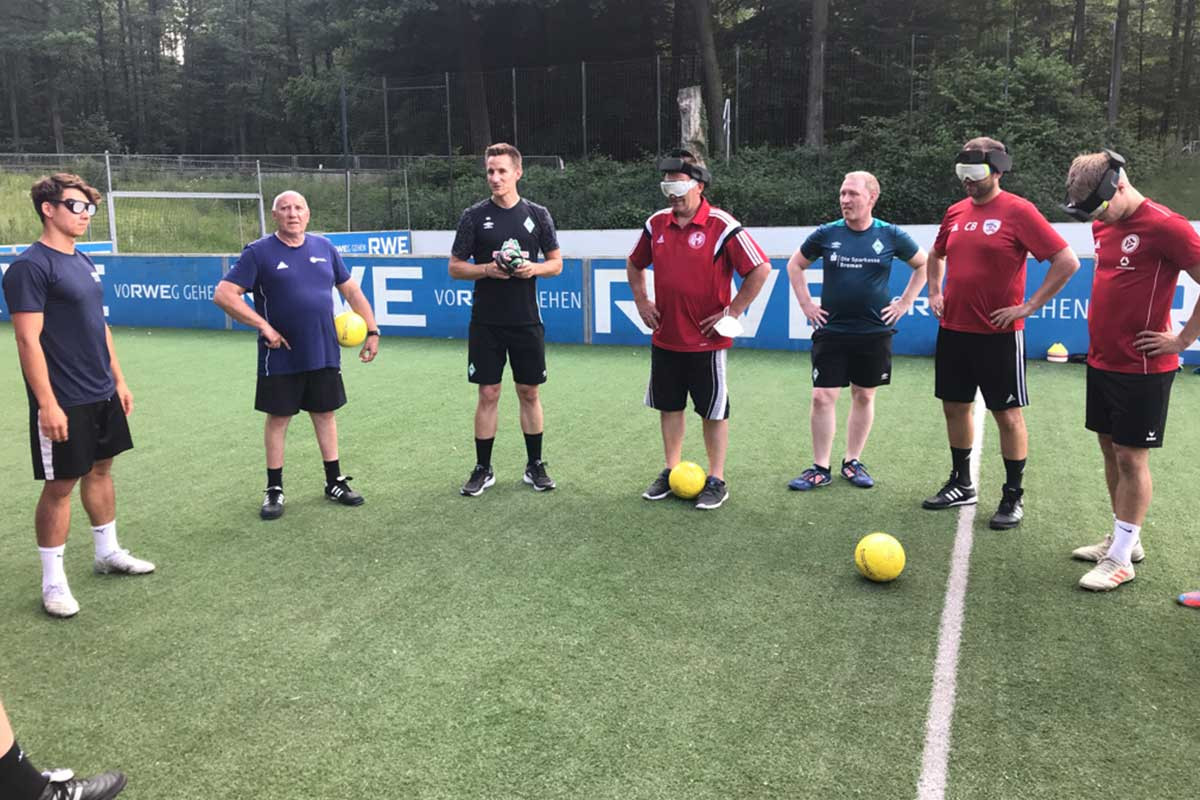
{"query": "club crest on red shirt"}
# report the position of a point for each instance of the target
(1130, 243)
(696, 240)
(990, 226)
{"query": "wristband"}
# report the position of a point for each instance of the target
(372, 333)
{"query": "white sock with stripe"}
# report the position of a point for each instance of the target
(105, 537)
(1125, 536)
(52, 566)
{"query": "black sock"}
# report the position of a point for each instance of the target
(1014, 469)
(961, 457)
(332, 471)
(820, 468)
(533, 447)
(18, 778)
(275, 477)
(483, 451)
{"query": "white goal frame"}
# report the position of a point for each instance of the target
(112, 206)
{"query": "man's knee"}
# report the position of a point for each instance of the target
(527, 393)
(489, 394)
(1009, 419)
(101, 469)
(59, 489)
(1131, 460)
(824, 399)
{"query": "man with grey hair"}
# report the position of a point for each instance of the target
(981, 248)
(1133, 349)
(852, 345)
(299, 361)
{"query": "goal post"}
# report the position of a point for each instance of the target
(239, 197)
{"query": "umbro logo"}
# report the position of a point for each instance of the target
(281, 265)
(315, 260)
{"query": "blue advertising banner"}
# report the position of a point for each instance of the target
(774, 320)
(371, 243)
(83, 247)
(589, 302)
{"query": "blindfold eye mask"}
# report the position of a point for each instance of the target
(1094, 204)
(675, 163)
(997, 160)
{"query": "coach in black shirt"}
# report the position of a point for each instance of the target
(505, 321)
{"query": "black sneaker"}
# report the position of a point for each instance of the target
(64, 785)
(535, 476)
(660, 488)
(1010, 512)
(481, 478)
(272, 507)
(340, 492)
(951, 495)
(712, 495)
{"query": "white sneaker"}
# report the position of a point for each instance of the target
(1095, 552)
(1106, 576)
(121, 561)
(58, 601)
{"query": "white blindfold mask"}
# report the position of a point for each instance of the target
(972, 172)
(677, 188)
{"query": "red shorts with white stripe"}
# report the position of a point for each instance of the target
(95, 432)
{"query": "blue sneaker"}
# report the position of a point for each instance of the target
(856, 472)
(811, 478)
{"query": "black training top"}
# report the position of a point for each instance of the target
(66, 290)
(481, 230)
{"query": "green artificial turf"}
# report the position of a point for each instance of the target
(585, 643)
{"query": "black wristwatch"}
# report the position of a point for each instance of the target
(372, 333)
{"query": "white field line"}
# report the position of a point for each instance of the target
(936, 758)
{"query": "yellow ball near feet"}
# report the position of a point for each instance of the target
(351, 329)
(879, 557)
(687, 480)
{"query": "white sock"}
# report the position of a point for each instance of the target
(1125, 536)
(52, 566)
(106, 539)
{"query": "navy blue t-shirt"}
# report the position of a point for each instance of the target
(293, 291)
(66, 290)
(857, 266)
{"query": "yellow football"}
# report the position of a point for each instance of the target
(351, 329)
(879, 557)
(687, 480)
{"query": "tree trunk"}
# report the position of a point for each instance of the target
(1114, 83)
(713, 92)
(472, 75)
(56, 125)
(1078, 31)
(1187, 107)
(814, 118)
(679, 35)
(10, 63)
(102, 51)
(1169, 95)
(289, 35)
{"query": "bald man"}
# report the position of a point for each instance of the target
(291, 275)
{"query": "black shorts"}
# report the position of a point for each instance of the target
(840, 359)
(992, 362)
(95, 432)
(1132, 409)
(490, 346)
(675, 375)
(319, 390)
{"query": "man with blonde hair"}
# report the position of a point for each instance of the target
(852, 345)
(1141, 247)
(981, 247)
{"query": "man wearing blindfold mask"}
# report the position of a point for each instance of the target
(1141, 247)
(982, 245)
(695, 249)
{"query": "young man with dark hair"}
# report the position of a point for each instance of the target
(982, 245)
(291, 274)
(506, 324)
(78, 398)
(695, 249)
(852, 345)
(1133, 350)
(20, 780)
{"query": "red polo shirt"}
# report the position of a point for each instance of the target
(1138, 261)
(693, 272)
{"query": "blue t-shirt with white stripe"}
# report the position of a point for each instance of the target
(857, 266)
(293, 291)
